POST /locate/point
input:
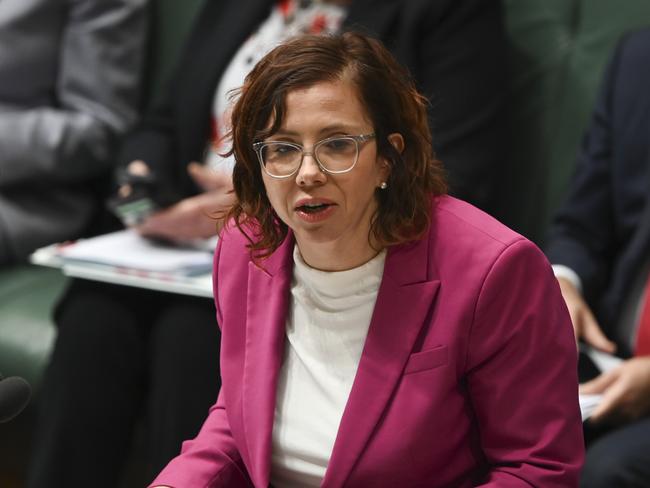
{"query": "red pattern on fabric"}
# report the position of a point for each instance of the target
(318, 24)
(643, 334)
(285, 7)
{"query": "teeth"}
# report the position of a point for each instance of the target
(313, 207)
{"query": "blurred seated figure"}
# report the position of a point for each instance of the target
(70, 78)
(600, 246)
(158, 354)
(455, 50)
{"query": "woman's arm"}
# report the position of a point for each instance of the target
(522, 374)
(209, 460)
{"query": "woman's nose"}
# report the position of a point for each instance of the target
(310, 172)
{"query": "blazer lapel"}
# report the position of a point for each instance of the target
(266, 313)
(403, 303)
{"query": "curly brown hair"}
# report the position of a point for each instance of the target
(393, 104)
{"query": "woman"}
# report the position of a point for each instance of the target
(155, 355)
(375, 332)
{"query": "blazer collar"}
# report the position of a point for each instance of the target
(405, 297)
(266, 315)
(403, 303)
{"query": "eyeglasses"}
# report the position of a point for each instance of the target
(334, 155)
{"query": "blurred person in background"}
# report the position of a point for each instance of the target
(600, 247)
(158, 353)
(70, 80)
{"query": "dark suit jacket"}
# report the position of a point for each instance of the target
(454, 49)
(603, 230)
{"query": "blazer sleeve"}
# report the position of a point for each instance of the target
(211, 459)
(583, 235)
(522, 374)
(97, 97)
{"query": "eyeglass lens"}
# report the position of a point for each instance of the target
(335, 155)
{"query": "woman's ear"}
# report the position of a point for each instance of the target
(397, 141)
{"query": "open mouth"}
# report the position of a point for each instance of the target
(313, 208)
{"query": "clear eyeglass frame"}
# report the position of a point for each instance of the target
(258, 147)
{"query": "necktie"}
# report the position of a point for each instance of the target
(643, 332)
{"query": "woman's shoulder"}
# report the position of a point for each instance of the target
(468, 233)
(468, 247)
(233, 243)
(459, 218)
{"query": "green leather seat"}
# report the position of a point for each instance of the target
(558, 50)
(26, 297)
(27, 294)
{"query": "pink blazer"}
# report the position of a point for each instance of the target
(467, 377)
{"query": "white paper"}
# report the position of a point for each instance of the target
(588, 404)
(604, 362)
(127, 249)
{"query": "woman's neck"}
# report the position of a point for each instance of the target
(330, 257)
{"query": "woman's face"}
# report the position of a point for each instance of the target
(330, 214)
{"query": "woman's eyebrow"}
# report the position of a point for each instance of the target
(336, 128)
(329, 128)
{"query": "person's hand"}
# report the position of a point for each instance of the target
(208, 179)
(135, 168)
(585, 326)
(625, 390)
(200, 216)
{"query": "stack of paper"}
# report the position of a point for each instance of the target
(126, 258)
(588, 404)
(604, 362)
(127, 249)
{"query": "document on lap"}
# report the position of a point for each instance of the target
(588, 404)
(602, 362)
(126, 258)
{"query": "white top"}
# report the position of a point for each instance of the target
(326, 329)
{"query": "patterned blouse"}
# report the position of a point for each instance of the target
(288, 18)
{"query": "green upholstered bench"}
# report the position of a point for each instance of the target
(558, 50)
(27, 295)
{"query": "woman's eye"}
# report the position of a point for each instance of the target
(283, 149)
(278, 150)
(339, 144)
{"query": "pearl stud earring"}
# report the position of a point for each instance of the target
(383, 185)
